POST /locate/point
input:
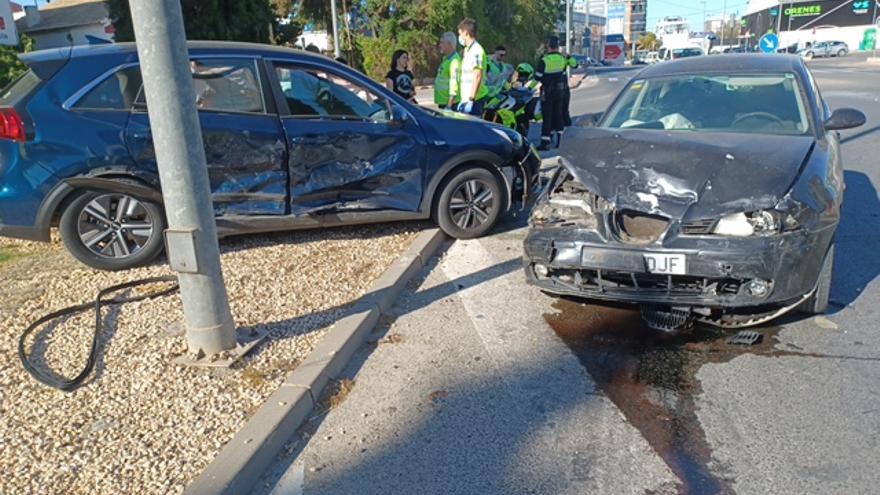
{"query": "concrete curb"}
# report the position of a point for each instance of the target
(243, 460)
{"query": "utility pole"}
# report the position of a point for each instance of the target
(567, 36)
(723, 23)
(336, 50)
(779, 19)
(193, 249)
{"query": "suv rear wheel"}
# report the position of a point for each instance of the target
(112, 231)
(470, 203)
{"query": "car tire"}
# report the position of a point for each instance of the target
(841, 53)
(112, 231)
(817, 303)
(470, 203)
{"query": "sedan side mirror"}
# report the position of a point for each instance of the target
(844, 118)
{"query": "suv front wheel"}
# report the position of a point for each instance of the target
(112, 231)
(470, 203)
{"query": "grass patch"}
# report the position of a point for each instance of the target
(8, 254)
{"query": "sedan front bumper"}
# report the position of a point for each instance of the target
(720, 272)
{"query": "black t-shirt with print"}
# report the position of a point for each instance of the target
(403, 83)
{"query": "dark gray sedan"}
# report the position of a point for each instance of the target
(710, 190)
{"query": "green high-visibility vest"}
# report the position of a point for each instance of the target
(448, 81)
(554, 63)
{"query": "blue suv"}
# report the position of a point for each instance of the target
(292, 139)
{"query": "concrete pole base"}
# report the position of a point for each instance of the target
(246, 340)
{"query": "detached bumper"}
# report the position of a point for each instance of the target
(719, 272)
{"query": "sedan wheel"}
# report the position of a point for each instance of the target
(470, 203)
(112, 231)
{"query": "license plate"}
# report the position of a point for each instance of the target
(665, 264)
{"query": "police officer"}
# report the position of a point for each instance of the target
(447, 85)
(551, 73)
(570, 63)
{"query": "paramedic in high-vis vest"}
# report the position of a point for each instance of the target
(447, 85)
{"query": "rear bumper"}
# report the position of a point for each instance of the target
(718, 271)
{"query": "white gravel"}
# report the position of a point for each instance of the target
(142, 424)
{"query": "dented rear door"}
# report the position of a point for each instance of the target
(347, 151)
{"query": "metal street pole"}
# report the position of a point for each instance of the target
(779, 18)
(723, 23)
(336, 50)
(180, 156)
(567, 34)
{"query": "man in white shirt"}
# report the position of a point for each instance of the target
(474, 92)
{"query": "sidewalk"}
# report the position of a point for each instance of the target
(454, 399)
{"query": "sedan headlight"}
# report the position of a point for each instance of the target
(755, 223)
(568, 202)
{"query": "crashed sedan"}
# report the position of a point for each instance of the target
(709, 191)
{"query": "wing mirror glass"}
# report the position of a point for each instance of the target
(844, 118)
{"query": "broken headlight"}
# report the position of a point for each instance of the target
(755, 223)
(568, 201)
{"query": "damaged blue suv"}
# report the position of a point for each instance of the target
(292, 139)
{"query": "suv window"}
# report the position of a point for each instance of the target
(224, 85)
(117, 92)
(313, 93)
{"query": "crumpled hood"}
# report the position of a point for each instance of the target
(684, 175)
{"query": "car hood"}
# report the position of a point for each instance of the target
(685, 175)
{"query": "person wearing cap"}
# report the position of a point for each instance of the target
(551, 73)
(448, 81)
(473, 70)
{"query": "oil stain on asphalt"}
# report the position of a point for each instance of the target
(651, 377)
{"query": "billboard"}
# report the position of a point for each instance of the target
(813, 14)
(616, 18)
(8, 35)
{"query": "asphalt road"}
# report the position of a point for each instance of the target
(481, 384)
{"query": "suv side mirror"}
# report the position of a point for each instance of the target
(397, 114)
(844, 118)
(590, 119)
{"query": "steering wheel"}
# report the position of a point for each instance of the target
(758, 115)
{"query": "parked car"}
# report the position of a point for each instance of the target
(292, 139)
(825, 49)
(651, 58)
(711, 189)
(677, 53)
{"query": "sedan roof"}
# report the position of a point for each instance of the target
(727, 64)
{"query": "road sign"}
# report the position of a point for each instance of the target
(769, 43)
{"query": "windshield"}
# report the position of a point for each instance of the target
(761, 104)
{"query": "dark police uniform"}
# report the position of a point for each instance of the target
(551, 73)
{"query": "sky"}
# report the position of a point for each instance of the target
(692, 10)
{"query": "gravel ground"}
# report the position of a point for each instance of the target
(142, 424)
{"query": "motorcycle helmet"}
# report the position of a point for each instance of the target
(524, 71)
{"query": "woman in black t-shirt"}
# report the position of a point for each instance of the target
(399, 79)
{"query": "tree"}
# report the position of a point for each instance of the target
(415, 26)
(235, 20)
(649, 42)
(10, 65)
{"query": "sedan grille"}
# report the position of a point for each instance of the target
(698, 227)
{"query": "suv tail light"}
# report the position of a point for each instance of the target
(11, 125)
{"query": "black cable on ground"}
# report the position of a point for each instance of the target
(77, 381)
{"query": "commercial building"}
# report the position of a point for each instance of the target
(627, 18)
(854, 22)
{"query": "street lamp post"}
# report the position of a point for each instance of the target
(193, 249)
(336, 50)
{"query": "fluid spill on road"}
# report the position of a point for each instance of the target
(651, 377)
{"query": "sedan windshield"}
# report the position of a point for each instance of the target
(764, 104)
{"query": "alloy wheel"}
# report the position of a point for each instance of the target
(115, 225)
(472, 204)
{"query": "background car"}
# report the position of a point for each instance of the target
(710, 190)
(292, 140)
(825, 49)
